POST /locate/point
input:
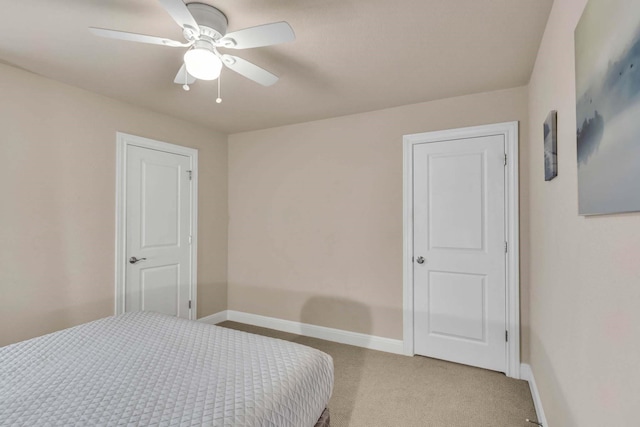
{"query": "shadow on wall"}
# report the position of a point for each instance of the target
(348, 360)
(548, 385)
(339, 312)
(355, 313)
(45, 322)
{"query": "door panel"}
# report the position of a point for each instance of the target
(158, 227)
(160, 193)
(457, 305)
(456, 220)
(158, 289)
(459, 229)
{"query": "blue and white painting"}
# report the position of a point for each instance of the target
(607, 43)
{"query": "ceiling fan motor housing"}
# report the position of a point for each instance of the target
(212, 22)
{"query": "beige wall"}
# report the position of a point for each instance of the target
(585, 271)
(57, 214)
(315, 232)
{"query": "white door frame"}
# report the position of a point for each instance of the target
(510, 132)
(124, 140)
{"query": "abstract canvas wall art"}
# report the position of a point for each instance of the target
(550, 146)
(607, 43)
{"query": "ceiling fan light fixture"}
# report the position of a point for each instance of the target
(202, 63)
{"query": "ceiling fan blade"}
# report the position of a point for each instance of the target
(184, 78)
(180, 13)
(262, 35)
(133, 37)
(249, 70)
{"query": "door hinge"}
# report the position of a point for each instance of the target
(190, 175)
(506, 336)
(506, 247)
(505, 159)
(189, 304)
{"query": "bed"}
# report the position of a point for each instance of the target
(151, 369)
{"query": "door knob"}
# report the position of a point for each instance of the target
(133, 260)
(420, 260)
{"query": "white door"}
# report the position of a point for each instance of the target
(459, 251)
(158, 227)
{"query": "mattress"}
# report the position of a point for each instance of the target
(152, 369)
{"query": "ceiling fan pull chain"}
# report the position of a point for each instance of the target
(186, 80)
(219, 98)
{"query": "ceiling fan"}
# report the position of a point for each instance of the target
(205, 30)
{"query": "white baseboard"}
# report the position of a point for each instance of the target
(527, 374)
(371, 342)
(215, 318)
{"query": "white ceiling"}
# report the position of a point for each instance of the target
(350, 56)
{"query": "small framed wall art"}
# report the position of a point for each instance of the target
(551, 146)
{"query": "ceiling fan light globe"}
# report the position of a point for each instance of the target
(203, 64)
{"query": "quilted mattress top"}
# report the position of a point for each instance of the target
(152, 369)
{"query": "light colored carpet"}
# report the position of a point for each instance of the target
(373, 389)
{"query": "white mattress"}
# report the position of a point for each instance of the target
(152, 369)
